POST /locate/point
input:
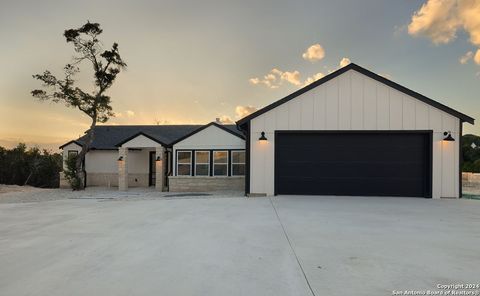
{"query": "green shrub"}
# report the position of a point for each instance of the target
(71, 173)
(22, 166)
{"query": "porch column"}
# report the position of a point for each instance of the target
(159, 168)
(122, 169)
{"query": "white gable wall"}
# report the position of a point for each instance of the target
(209, 138)
(353, 101)
(70, 147)
(141, 141)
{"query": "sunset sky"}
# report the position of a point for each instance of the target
(193, 61)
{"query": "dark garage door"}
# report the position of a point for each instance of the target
(353, 163)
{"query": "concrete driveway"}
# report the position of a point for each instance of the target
(238, 246)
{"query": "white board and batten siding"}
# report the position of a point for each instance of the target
(353, 101)
(210, 138)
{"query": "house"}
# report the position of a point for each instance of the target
(352, 132)
(170, 157)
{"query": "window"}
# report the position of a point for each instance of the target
(72, 153)
(220, 163)
(238, 163)
(202, 163)
(184, 163)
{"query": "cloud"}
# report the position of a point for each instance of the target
(477, 57)
(130, 113)
(386, 75)
(275, 77)
(242, 111)
(344, 62)
(224, 119)
(292, 77)
(314, 53)
(313, 78)
(269, 80)
(439, 20)
(466, 57)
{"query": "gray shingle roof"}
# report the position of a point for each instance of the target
(108, 136)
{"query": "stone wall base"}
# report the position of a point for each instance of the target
(111, 180)
(205, 184)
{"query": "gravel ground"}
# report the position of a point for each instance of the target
(20, 194)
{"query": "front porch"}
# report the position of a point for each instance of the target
(137, 154)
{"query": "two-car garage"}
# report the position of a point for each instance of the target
(353, 163)
(356, 133)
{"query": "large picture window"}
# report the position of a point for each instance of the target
(220, 163)
(184, 163)
(238, 163)
(202, 163)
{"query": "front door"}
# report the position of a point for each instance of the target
(151, 169)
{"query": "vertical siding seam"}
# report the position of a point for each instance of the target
(314, 110)
(402, 111)
(363, 102)
(324, 96)
(338, 104)
(350, 94)
(389, 103)
(376, 106)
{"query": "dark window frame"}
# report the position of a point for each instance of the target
(238, 163)
(69, 152)
(201, 163)
(222, 163)
(178, 163)
(211, 161)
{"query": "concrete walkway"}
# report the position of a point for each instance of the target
(237, 246)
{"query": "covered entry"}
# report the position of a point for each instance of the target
(369, 163)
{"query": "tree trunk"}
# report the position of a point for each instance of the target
(83, 152)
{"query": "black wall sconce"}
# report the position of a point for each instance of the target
(120, 158)
(158, 158)
(262, 137)
(448, 136)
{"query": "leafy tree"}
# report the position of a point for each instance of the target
(471, 155)
(22, 166)
(106, 65)
(71, 172)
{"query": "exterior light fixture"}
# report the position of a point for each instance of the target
(448, 136)
(158, 158)
(262, 137)
(120, 158)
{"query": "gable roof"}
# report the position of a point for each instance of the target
(227, 128)
(352, 66)
(107, 137)
(70, 142)
(139, 134)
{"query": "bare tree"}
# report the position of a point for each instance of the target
(106, 65)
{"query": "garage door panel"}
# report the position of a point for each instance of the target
(352, 163)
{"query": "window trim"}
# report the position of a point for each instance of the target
(232, 163)
(203, 163)
(70, 151)
(221, 163)
(178, 163)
